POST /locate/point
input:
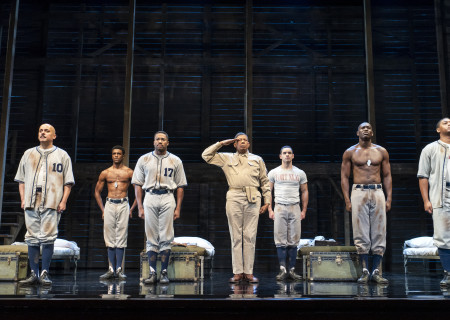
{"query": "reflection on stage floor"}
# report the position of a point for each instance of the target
(87, 285)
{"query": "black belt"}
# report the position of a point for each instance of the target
(117, 200)
(368, 186)
(158, 191)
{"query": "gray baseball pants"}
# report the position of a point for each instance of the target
(159, 209)
(287, 225)
(369, 220)
(115, 227)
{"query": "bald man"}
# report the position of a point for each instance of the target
(45, 179)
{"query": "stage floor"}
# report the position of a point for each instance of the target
(421, 285)
(416, 296)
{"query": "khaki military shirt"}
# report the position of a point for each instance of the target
(241, 170)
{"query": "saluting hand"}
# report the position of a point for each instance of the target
(227, 142)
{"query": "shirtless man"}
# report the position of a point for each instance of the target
(116, 211)
(370, 164)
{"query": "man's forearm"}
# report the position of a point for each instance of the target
(423, 186)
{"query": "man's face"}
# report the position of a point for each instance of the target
(444, 127)
(242, 143)
(46, 133)
(161, 142)
(365, 131)
(117, 156)
(286, 155)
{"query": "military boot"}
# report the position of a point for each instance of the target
(120, 275)
(364, 279)
(151, 278)
(30, 281)
(164, 278)
(445, 282)
(376, 276)
(282, 274)
(108, 275)
(294, 276)
(44, 279)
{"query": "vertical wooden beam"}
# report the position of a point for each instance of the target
(162, 69)
(129, 82)
(206, 77)
(248, 109)
(7, 88)
(369, 67)
(441, 40)
(77, 100)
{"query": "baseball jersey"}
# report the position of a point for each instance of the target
(287, 183)
(153, 171)
(241, 170)
(56, 165)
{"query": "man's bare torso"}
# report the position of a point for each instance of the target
(118, 180)
(366, 163)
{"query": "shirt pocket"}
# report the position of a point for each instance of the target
(253, 168)
(233, 166)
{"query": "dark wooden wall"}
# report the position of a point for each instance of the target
(309, 90)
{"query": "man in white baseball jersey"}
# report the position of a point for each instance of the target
(45, 180)
(288, 180)
(159, 174)
(116, 211)
(368, 204)
(245, 173)
(434, 184)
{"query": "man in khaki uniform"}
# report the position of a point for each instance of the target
(245, 173)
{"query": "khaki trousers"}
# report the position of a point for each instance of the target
(369, 220)
(115, 228)
(243, 224)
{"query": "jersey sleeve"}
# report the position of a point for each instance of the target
(180, 176)
(68, 172)
(138, 174)
(20, 175)
(271, 175)
(424, 163)
(303, 178)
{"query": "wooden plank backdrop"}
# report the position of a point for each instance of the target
(309, 91)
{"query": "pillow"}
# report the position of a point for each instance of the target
(196, 241)
(420, 242)
(421, 252)
(66, 244)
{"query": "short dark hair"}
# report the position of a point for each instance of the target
(284, 147)
(120, 148)
(240, 134)
(163, 132)
(439, 122)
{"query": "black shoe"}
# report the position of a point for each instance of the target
(364, 279)
(294, 276)
(44, 280)
(282, 274)
(151, 278)
(445, 282)
(164, 279)
(108, 275)
(120, 275)
(30, 281)
(376, 276)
